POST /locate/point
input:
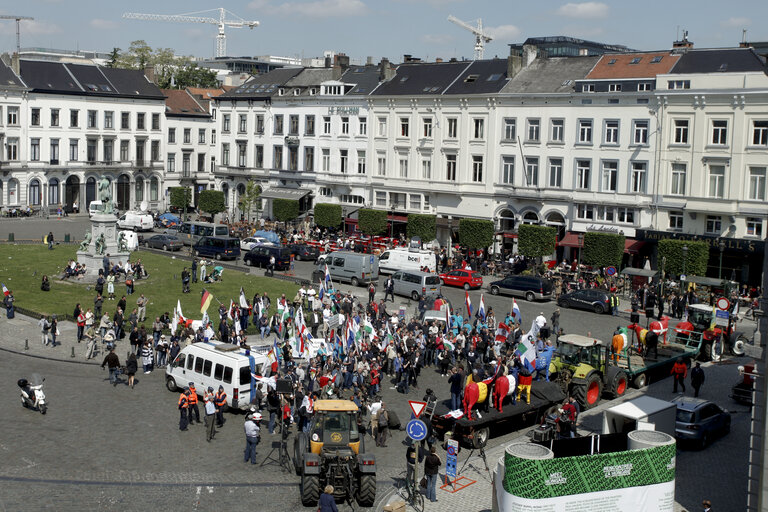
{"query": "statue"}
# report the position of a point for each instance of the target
(101, 244)
(86, 241)
(122, 245)
(105, 194)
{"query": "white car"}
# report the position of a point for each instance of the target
(246, 244)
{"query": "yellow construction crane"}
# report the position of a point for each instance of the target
(18, 20)
(221, 22)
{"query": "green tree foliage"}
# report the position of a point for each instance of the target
(476, 233)
(171, 71)
(602, 249)
(181, 197)
(211, 201)
(536, 241)
(250, 198)
(284, 210)
(372, 222)
(695, 261)
(328, 215)
(114, 56)
(422, 226)
(189, 76)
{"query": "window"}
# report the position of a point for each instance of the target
(719, 132)
(585, 131)
(242, 154)
(187, 135)
(641, 132)
(362, 124)
(583, 168)
(638, 178)
(510, 128)
(53, 191)
(681, 131)
(614, 87)
(225, 154)
(427, 128)
(754, 226)
(326, 160)
(556, 172)
(140, 121)
(91, 150)
(155, 121)
(277, 157)
(185, 164)
(293, 159)
(477, 168)
(612, 132)
(55, 117)
(124, 150)
(225, 123)
(55, 151)
(453, 127)
(679, 84)
(108, 147)
(585, 211)
(345, 126)
(34, 192)
(507, 170)
(381, 164)
(717, 181)
(676, 220)
(74, 118)
(679, 172)
(426, 168)
(92, 118)
(242, 124)
(279, 125)
(415, 202)
(625, 215)
(201, 135)
(155, 151)
(109, 120)
(326, 125)
(610, 172)
(309, 159)
(309, 125)
(759, 133)
(644, 86)
(533, 129)
(12, 149)
(213, 137)
(478, 128)
(344, 160)
(397, 201)
(532, 172)
(35, 117)
(588, 88)
(293, 124)
(171, 135)
(34, 150)
(258, 155)
(558, 130)
(404, 125)
(361, 162)
(125, 120)
(72, 150)
(382, 127)
(260, 124)
(757, 183)
(714, 224)
(450, 167)
(13, 116)
(381, 198)
(403, 164)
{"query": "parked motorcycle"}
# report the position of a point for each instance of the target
(32, 395)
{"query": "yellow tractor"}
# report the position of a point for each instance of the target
(333, 453)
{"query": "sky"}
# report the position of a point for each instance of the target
(382, 28)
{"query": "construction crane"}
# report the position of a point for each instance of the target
(480, 37)
(221, 22)
(18, 32)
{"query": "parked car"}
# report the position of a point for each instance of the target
(246, 244)
(415, 284)
(259, 257)
(217, 247)
(700, 421)
(304, 252)
(530, 287)
(466, 279)
(592, 300)
(164, 242)
(137, 221)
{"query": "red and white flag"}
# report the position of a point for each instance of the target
(502, 332)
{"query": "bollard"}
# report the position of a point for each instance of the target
(73, 352)
(11, 237)
(26, 344)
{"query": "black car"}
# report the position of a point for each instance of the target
(164, 242)
(530, 287)
(592, 300)
(304, 252)
(259, 257)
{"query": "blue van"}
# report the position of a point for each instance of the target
(220, 248)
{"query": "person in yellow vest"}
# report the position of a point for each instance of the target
(193, 404)
(183, 406)
(220, 401)
(210, 414)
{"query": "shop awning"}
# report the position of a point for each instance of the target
(506, 234)
(397, 218)
(642, 272)
(570, 240)
(633, 246)
(285, 193)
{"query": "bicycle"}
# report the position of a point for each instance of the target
(411, 494)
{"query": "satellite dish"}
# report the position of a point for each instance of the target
(143, 206)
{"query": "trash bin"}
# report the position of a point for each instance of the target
(67, 238)
(11, 237)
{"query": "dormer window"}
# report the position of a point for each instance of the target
(588, 88)
(612, 62)
(614, 87)
(280, 91)
(296, 92)
(656, 59)
(471, 78)
(636, 60)
(312, 91)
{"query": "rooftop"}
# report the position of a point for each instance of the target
(633, 65)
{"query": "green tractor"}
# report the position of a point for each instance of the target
(583, 368)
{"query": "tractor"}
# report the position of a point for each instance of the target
(582, 367)
(699, 323)
(333, 453)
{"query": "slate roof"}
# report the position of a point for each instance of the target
(633, 65)
(422, 78)
(365, 78)
(733, 60)
(180, 103)
(8, 78)
(550, 76)
(262, 86)
(481, 77)
(310, 77)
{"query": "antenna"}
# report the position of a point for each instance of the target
(18, 32)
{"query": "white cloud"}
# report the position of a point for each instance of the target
(736, 22)
(259, 4)
(583, 32)
(323, 8)
(502, 32)
(101, 24)
(39, 27)
(583, 10)
(436, 39)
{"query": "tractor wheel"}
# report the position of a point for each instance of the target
(366, 493)
(640, 381)
(480, 439)
(619, 384)
(588, 394)
(310, 490)
(299, 449)
(706, 352)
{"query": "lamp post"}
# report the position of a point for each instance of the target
(685, 257)
(578, 261)
(663, 265)
(721, 245)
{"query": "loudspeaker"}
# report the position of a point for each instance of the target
(634, 318)
(284, 386)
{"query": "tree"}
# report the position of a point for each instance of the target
(422, 226)
(695, 260)
(249, 198)
(284, 210)
(171, 71)
(181, 198)
(188, 75)
(114, 56)
(328, 215)
(372, 222)
(536, 241)
(602, 249)
(476, 233)
(211, 201)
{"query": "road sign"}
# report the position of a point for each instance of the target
(721, 317)
(450, 461)
(723, 303)
(417, 407)
(416, 429)
(610, 271)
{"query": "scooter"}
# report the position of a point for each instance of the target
(32, 395)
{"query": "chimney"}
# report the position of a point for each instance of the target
(529, 54)
(369, 61)
(15, 64)
(327, 62)
(385, 70)
(684, 43)
(439, 60)
(514, 65)
(149, 72)
(341, 60)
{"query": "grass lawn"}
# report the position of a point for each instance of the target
(22, 268)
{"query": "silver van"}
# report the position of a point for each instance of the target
(414, 284)
(351, 267)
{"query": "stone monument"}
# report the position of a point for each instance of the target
(103, 238)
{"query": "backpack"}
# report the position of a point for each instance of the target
(383, 421)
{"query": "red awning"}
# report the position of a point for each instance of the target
(397, 218)
(570, 240)
(633, 246)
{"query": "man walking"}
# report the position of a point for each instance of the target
(252, 437)
(697, 378)
(270, 267)
(113, 362)
(371, 292)
(210, 413)
(679, 372)
(194, 270)
(389, 289)
(141, 303)
(50, 240)
(382, 422)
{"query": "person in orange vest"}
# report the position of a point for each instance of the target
(193, 404)
(220, 401)
(679, 371)
(183, 406)
(210, 412)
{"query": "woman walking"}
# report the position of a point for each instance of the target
(131, 367)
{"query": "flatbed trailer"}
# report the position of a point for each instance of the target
(637, 366)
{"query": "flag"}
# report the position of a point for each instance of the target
(6, 292)
(205, 301)
(528, 354)
(714, 319)
(178, 308)
(276, 351)
(175, 321)
(502, 332)
(368, 329)
(481, 309)
(243, 300)
(328, 284)
(516, 312)
(468, 304)
(447, 320)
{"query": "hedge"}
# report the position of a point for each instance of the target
(284, 210)
(695, 262)
(476, 233)
(422, 226)
(211, 201)
(372, 222)
(536, 241)
(602, 249)
(328, 215)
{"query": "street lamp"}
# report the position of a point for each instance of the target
(578, 260)
(721, 245)
(685, 257)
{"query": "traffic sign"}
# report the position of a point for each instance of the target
(610, 271)
(723, 303)
(450, 461)
(721, 317)
(416, 429)
(417, 407)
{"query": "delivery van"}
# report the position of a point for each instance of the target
(351, 267)
(215, 364)
(95, 207)
(406, 259)
(137, 221)
(414, 284)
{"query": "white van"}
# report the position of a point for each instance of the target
(131, 240)
(406, 259)
(95, 207)
(137, 221)
(215, 364)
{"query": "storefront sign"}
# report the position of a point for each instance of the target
(628, 232)
(344, 111)
(733, 244)
(603, 229)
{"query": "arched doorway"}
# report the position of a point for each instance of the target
(13, 192)
(72, 193)
(154, 187)
(240, 194)
(35, 195)
(557, 221)
(123, 192)
(90, 191)
(53, 191)
(530, 218)
(506, 220)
